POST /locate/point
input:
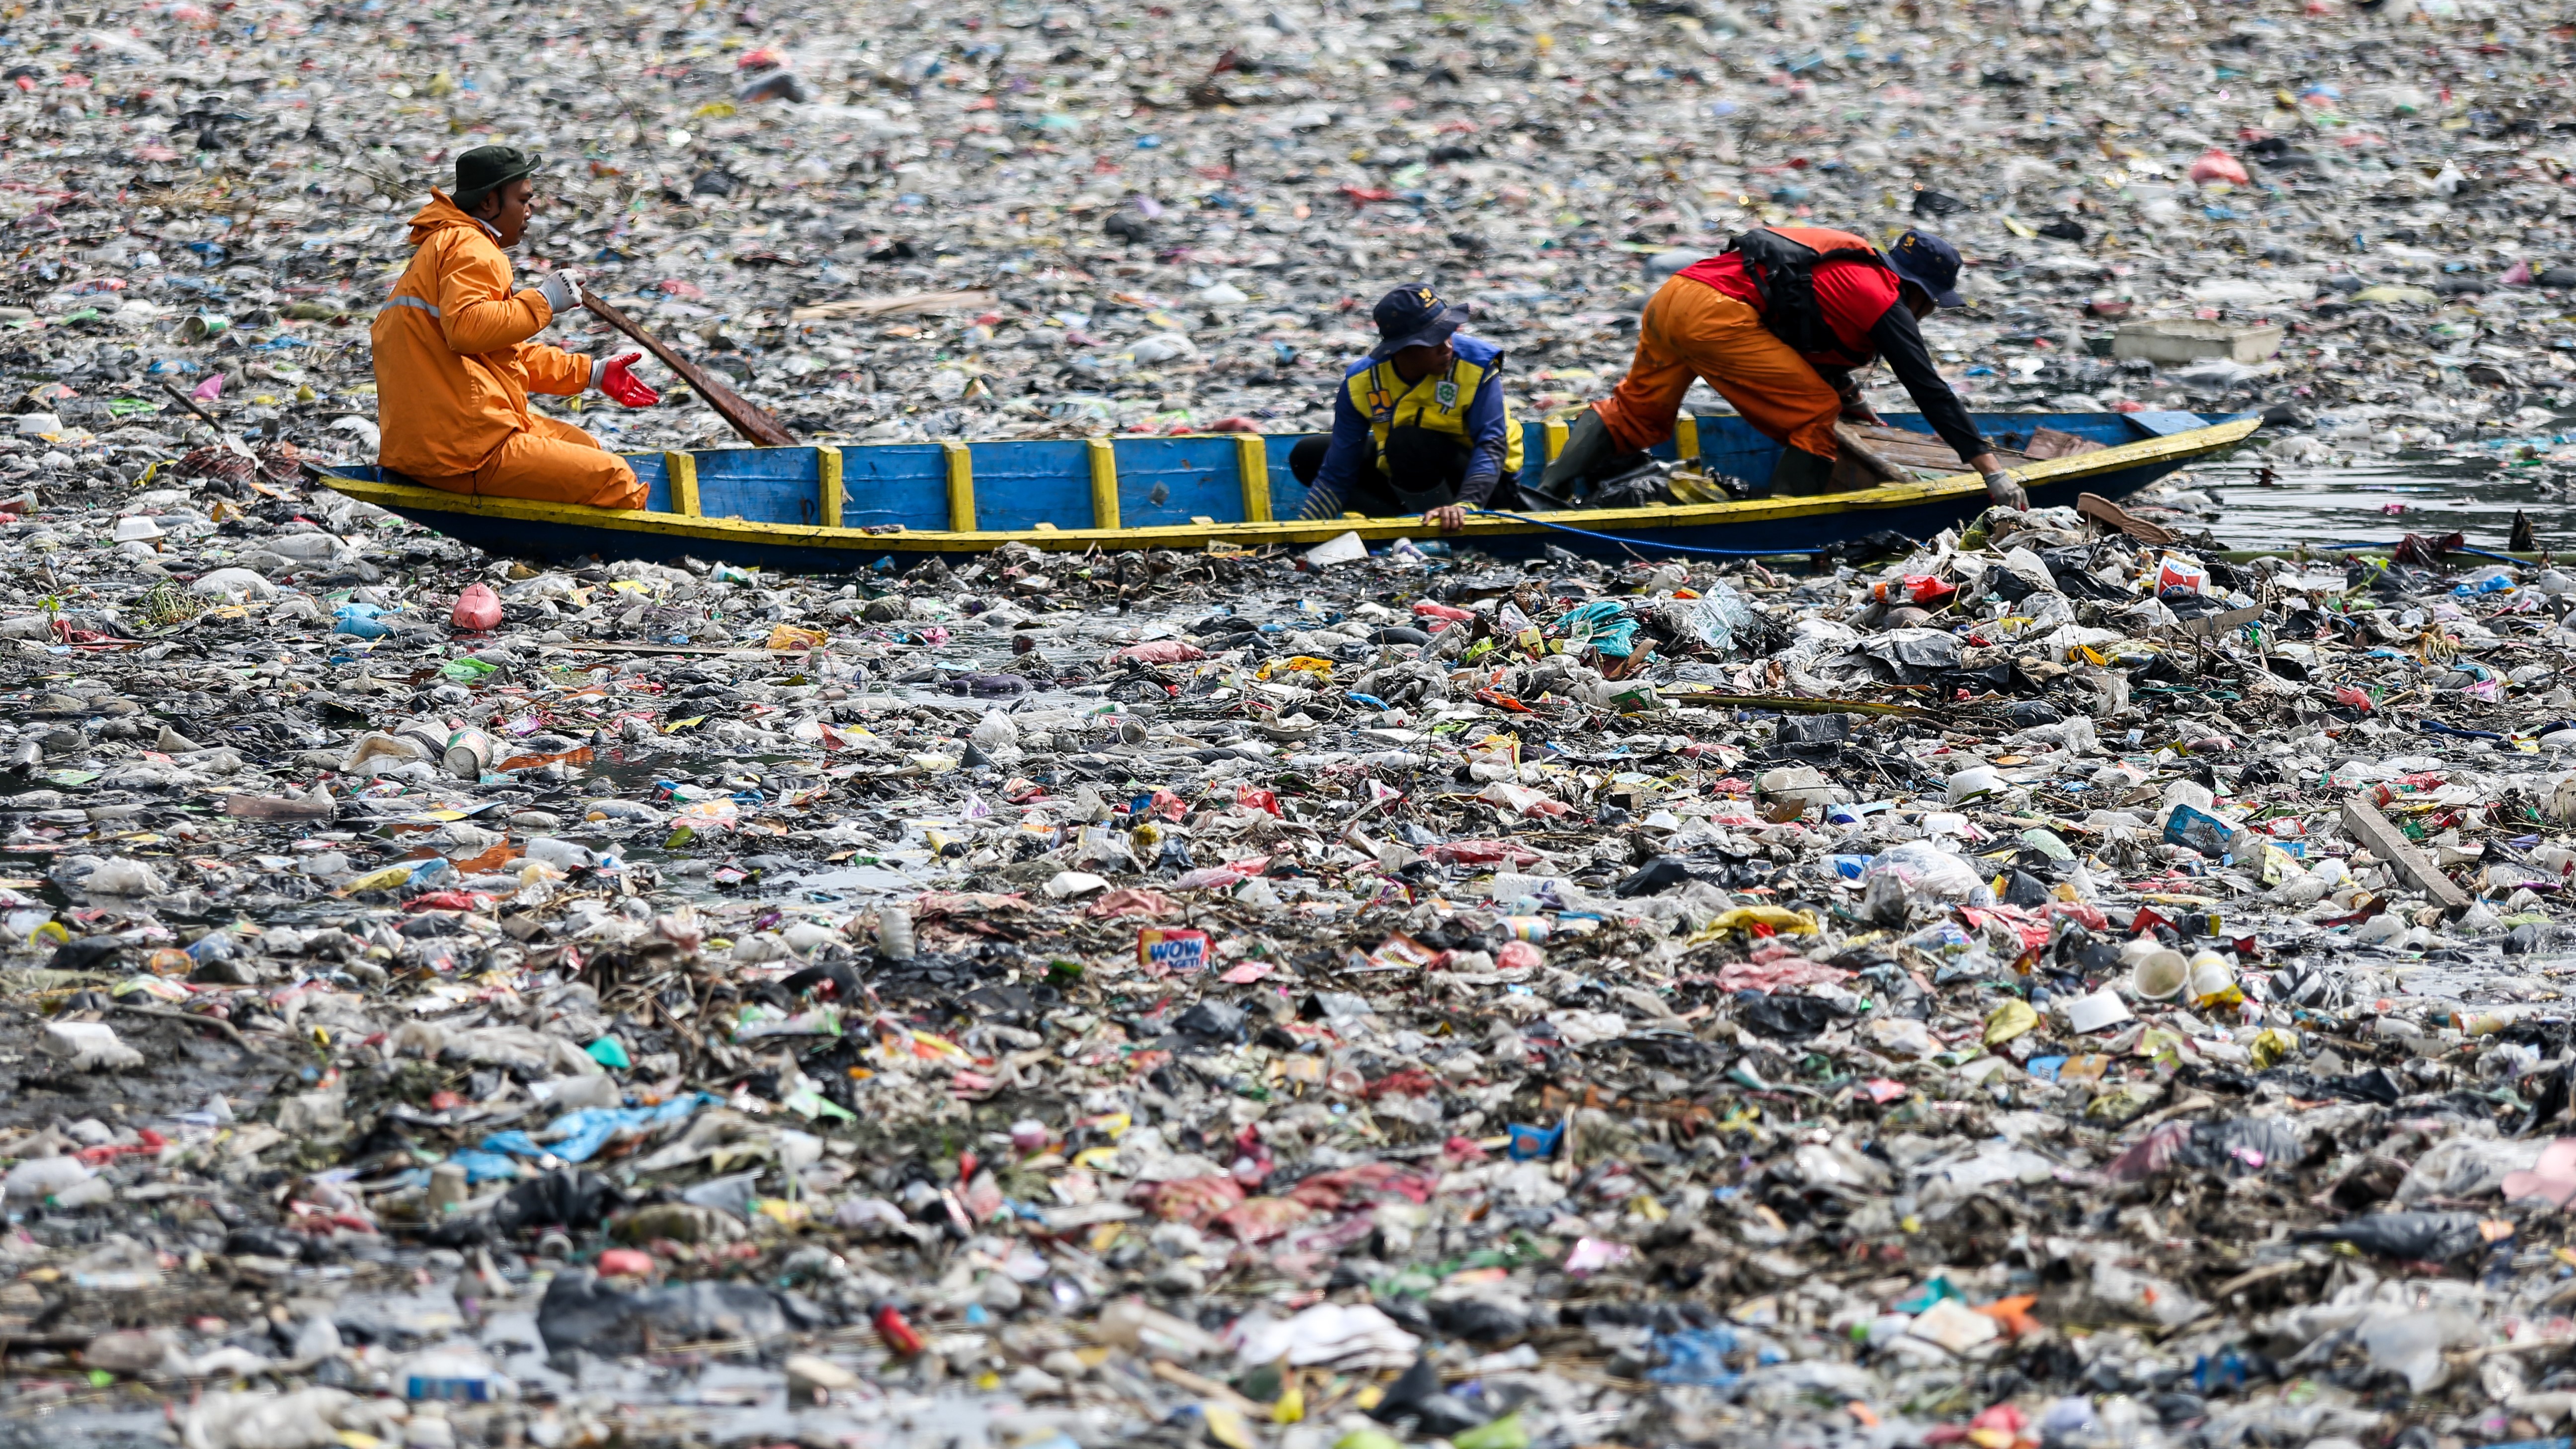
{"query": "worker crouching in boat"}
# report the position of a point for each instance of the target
(454, 365)
(1779, 324)
(1420, 424)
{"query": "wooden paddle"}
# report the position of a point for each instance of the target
(1874, 465)
(758, 427)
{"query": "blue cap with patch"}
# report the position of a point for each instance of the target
(1930, 263)
(1414, 317)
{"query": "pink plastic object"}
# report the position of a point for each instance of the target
(477, 608)
(2217, 165)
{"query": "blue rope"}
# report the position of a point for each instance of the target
(1644, 543)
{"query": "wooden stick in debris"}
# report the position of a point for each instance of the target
(756, 426)
(2362, 820)
(191, 1018)
(185, 401)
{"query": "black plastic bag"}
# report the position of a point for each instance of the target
(2415, 1237)
(581, 1312)
(1794, 1018)
(567, 1197)
(1653, 878)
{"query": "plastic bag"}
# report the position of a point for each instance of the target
(581, 1311)
(1928, 872)
(2419, 1237)
(1719, 617)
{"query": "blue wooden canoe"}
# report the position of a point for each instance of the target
(826, 509)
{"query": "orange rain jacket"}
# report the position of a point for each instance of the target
(453, 364)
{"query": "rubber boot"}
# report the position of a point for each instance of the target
(1800, 474)
(1588, 444)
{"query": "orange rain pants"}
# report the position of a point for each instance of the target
(551, 462)
(1692, 330)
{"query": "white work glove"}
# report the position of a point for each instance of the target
(561, 289)
(2005, 491)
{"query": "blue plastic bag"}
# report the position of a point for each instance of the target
(1694, 1356)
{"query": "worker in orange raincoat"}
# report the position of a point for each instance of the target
(454, 365)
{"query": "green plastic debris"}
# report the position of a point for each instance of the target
(1507, 1432)
(609, 1052)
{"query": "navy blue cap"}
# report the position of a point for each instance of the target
(1930, 263)
(1414, 317)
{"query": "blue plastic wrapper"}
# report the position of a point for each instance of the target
(1614, 631)
(360, 621)
(2199, 830)
(1532, 1143)
(484, 1166)
(1933, 1290)
(1694, 1356)
(578, 1136)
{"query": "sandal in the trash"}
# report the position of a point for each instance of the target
(2112, 516)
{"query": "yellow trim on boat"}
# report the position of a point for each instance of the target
(961, 487)
(1685, 438)
(1252, 461)
(683, 469)
(715, 532)
(1555, 433)
(1104, 486)
(827, 486)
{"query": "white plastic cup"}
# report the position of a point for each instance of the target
(2159, 975)
(2094, 1012)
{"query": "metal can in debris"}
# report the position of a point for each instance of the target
(469, 754)
(1171, 948)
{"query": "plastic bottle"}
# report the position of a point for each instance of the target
(894, 933)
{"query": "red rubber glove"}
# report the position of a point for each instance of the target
(615, 377)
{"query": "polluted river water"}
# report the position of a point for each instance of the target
(2036, 987)
(2266, 504)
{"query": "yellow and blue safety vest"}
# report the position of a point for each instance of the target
(1464, 400)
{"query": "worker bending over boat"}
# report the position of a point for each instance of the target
(454, 365)
(1778, 323)
(1420, 425)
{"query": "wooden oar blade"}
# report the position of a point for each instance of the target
(755, 425)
